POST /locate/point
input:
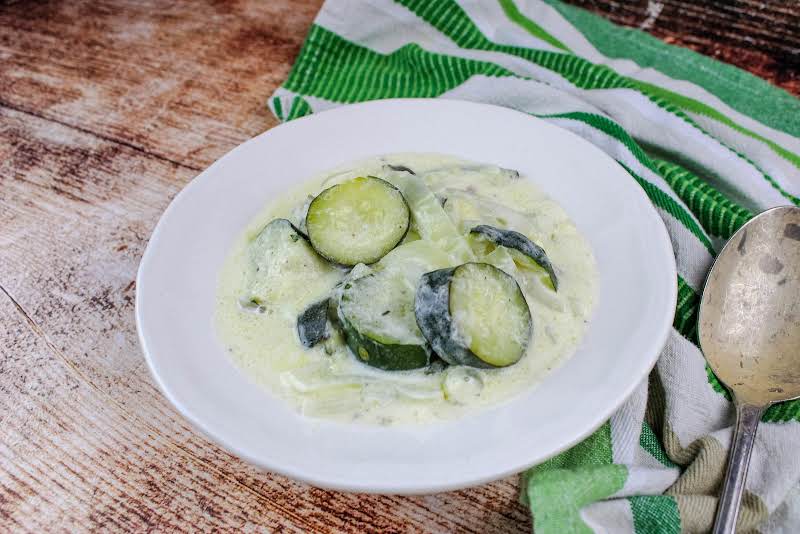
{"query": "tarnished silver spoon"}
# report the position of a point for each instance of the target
(749, 329)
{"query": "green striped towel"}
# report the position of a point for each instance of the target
(711, 145)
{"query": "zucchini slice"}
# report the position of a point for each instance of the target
(376, 311)
(474, 314)
(357, 221)
(281, 257)
(377, 316)
(518, 242)
(537, 287)
(312, 324)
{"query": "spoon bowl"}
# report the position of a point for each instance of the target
(749, 327)
(750, 311)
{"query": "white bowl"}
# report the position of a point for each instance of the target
(177, 280)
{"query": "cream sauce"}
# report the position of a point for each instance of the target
(328, 382)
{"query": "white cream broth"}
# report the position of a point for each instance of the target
(327, 381)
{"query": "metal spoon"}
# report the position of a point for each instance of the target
(750, 333)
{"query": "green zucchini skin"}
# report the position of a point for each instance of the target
(432, 308)
(373, 348)
(356, 244)
(384, 356)
(511, 173)
(377, 306)
(293, 227)
(518, 242)
(400, 168)
(312, 323)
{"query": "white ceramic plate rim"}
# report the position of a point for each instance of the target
(398, 474)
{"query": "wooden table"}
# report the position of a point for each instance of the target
(107, 108)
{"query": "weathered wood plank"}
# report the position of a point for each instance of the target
(184, 80)
(188, 80)
(73, 232)
(68, 462)
(761, 36)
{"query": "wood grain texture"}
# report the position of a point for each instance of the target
(180, 80)
(87, 439)
(107, 108)
(92, 149)
(761, 36)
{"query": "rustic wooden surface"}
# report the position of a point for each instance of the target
(107, 108)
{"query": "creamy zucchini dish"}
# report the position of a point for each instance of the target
(407, 288)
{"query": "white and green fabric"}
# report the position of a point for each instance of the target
(710, 145)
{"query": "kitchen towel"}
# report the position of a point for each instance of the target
(711, 145)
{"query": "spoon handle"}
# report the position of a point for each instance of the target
(747, 418)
